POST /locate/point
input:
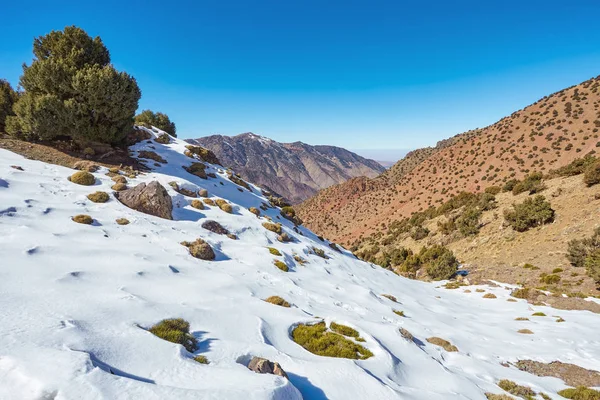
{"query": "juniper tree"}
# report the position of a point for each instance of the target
(159, 120)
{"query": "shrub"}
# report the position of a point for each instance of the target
(163, 138)
(494, 190)
(8, 97)
(281, 265)
(489, 296)
(204, 154)
(576, 167)
(319, 252)
(119, 179)
(419, 233)
(197, 169)
(399, 313)
(525, 331)
(71, 89)
(468, 222)
(151, 155)
(83, 178)
(439, 261)
(175, 330)
(98, 197)
(83, 219)
(344, 330)
(532, 212)
(254, 211)
(122, 221)
(550, 279)
(446, 345)
(580, 393)
(509, 185)
(538, 314)
(531, 183)
(272, 227)
(117, 187)
(278, 301)
(224, 205)
(274, 251)
(209, 202)
(517, 390)
(586, 253)
(197, 204)
(284, 237)
(592, 265)
(159, 120)
(200, 249)
(390, 297)
(318, 340)
(592, 174)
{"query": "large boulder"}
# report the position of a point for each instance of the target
(150, 199)
(264, 366)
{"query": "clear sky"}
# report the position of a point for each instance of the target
(359, 74)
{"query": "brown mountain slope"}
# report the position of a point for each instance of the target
(295, 171)
(545, 135)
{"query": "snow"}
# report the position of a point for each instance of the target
(75, 299)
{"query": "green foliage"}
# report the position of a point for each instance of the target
(538, 314)
(493, 190)
(318, 340)
(592, 174)
(8, 97)
(532, 183)
(580, 393)
(550, 279)
(439, 261)
(83, 219)
(281, 265)
(98, 197)
(159, 120)
(201, 359)
(592, 265)
(72, 90)
(175, 330)
(509, 185)
(83, 178)
(532, 212)
(344, 330)
(468, 222)
(576, 167)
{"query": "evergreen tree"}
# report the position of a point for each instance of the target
(71, 89)
(7, 98)
(159, 120)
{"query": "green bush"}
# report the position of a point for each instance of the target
(591, 176)
(71, 89)
(175, 330)
(586, 253)
(274, 251)
(493, 190)
(532, 212)
(159, 120)
(281, 265)
(419, 233)
(592, 265)
(532, 183)
(344, 330)
(318, 340)
(517, 390)
(8, 97)
(509, 185)
(468, 222)
(550, 279)
(440, 262)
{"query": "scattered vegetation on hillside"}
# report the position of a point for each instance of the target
(319, 340)
(530, 213)
(159, 120)
(585, 253)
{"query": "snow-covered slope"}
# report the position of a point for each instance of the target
(75, 299)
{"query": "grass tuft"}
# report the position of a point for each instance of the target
(318, 340)
(175, 330)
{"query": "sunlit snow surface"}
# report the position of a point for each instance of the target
(75, 300)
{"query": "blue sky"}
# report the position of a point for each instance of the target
(359, 74)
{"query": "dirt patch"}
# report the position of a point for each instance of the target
(571, 374)
(67, 154)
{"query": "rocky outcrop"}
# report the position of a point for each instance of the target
(295, 171)
(150, 199)
(264, 366)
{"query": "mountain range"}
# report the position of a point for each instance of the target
(295, 171)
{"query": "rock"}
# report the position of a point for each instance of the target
(150, 199)
(137, 134)
(17, 167)
(215, 227)
(264, 366)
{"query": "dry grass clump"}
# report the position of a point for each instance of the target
(299, 259)
(344, 330)
(390, 297)
(98, 197)
(525, 331)
(278, 301)
(538, 314)
(274, 251)
(489, 296)
(406, 334)
(318, 340)
(197, 204)
(580, 393)
(281, 265)
(117, 187)
(150, 155)
(200, 249)
(319, 252)
(517, 390)
(175, 330)
(83, 219)
(82, 178)
(272, 227)
(399, 313)
(205, 154)
(122, 221)
(521, 319)
(442, 343)
(209, 202)
(254, 211)
(224, 205)
(182, 190)
(493, 396)
(284, 237)
(201, 359)
(119, 179)
(238, 181)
